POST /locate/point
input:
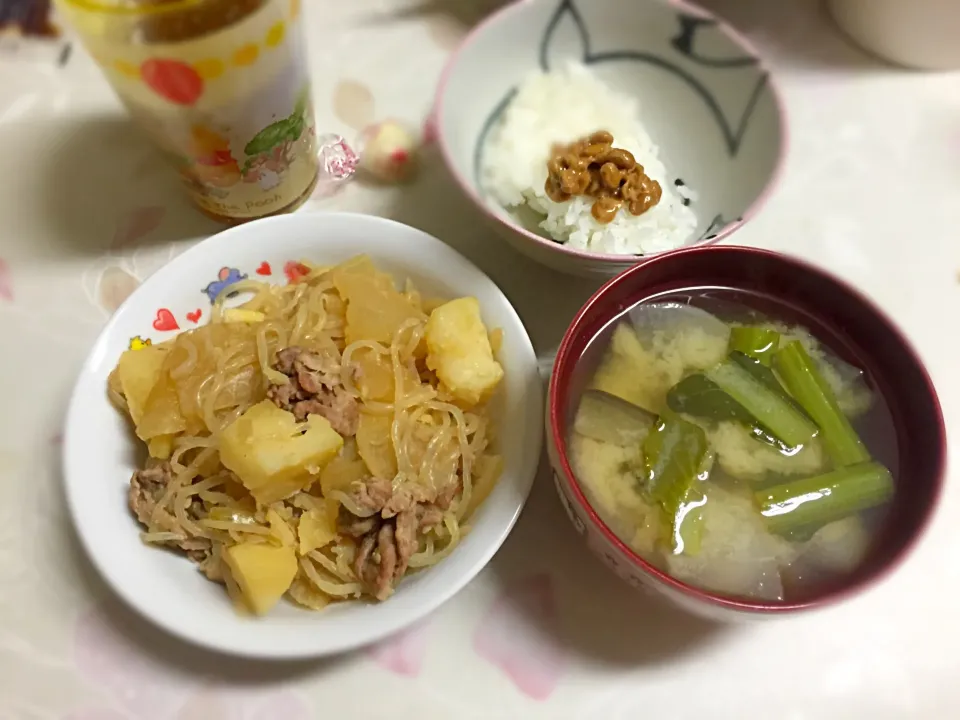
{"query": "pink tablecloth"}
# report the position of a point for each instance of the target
(544, 632)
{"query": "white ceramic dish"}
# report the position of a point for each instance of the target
(100, 451)
(706, 99)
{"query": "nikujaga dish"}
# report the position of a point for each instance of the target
(320, 441)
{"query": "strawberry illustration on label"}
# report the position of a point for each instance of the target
(218, 157)
(211, 162)
(173, 80)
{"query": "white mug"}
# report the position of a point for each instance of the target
(922, 34)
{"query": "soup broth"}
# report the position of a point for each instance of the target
(733, 443)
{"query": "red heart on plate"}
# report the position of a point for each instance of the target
(194, 316)
(264, 269)
(295, 270)
(165, 321)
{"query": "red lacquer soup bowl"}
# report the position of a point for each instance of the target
(840, 317)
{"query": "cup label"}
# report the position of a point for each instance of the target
(231, 109)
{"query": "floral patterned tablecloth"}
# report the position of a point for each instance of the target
(87, 210)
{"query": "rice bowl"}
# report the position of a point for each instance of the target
(719, 127)
(555, 107)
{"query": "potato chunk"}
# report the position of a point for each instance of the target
(459, 351)
(318, 527)
(262, 572)
(273, 455)
(160, 447)
(280, 529)
(138, 371)
(375, 308)
(340, 473)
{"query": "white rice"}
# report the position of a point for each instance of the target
(562, 106)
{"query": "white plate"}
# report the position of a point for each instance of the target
(100, 451)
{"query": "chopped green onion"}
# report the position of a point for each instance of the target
(697, 396)
(802, 378)
(702, 398)
(762, 373)
(767, 377)
(766, 405)
(816, 501)
(675, 457)
(759, 343)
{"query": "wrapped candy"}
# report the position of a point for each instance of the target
(389, 151)
(338, 163)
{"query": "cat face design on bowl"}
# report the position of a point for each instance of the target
(687, 56)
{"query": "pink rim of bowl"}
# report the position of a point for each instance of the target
(468, 188)
(917, 392)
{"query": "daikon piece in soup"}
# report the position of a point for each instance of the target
(730, 445)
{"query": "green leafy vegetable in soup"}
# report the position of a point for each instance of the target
(606, 417)
(732, 455)
(757, 342)
(675, 458)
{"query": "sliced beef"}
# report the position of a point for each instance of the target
(429, 516)
(376, 561)
(284, 396)
(372, 494)
(355, 527)
(377, 495)
(405, 535)
(382, 584)
(404, 499)
(364, 558)
(389, 538)
(446, 496)
(340, 409)
(314, 387)
(147, 488)
(203, 555)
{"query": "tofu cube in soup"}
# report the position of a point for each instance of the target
(273, 455)
(262, 572)
(459, 351)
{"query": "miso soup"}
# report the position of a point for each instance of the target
(724, 438)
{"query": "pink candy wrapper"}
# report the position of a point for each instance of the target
(338, 163)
